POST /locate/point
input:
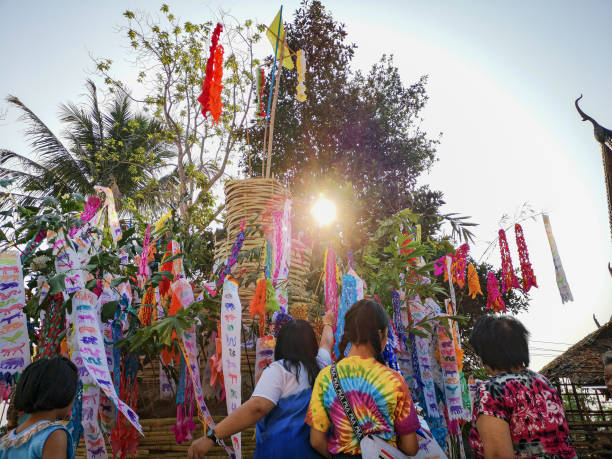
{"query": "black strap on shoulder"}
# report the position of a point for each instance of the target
(346, 406)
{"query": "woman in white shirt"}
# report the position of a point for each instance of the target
(280, 400)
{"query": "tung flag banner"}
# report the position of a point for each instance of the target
(275, 33)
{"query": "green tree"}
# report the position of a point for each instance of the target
(354, 128)
(109, 146)
(170, 57)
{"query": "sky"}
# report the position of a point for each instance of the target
(502, 80)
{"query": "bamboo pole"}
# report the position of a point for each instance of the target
(275, 99)
(263, 153)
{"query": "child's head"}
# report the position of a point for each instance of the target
(365, 323)
(46, 385)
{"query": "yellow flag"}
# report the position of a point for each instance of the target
(162, 220)
(273, 35)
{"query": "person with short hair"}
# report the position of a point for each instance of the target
(607, 361)
(378, 395)
(45, 391)
(517, 412)
(279, 402)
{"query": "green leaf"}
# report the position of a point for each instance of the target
(108, 310)
(57, 284)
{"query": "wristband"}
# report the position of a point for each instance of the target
(211, 436)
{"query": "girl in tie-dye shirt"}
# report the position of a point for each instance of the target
(378, 395)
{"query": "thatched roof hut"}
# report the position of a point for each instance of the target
(578, 377)
(582, 363)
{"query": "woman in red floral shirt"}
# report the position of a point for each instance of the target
(517, 412)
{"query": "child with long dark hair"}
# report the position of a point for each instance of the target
(46, 392)
(280, 399)
(378, 395)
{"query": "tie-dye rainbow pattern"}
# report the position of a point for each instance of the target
(378, 395)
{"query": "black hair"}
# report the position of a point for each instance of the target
(362, 324)
(296, 343)
(607, 358)
(501, 342)
(47, 384)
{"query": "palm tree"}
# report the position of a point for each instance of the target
(119, 149)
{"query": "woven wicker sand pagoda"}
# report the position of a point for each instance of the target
(252, 200)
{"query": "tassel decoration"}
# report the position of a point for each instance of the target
(257, 306)
(207, 85)
(509, 279)
(529, 279)
(494, 298)
(216, 105)
(459, 265)
(261, 86)
(331, 282)
(473, 282)
(301, 69)
(271, 301)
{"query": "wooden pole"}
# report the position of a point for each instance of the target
(263, 154)
(274, 100)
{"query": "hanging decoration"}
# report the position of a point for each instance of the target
(32, 245)
(275, 34)
(529, 279)
(391, 349)
(331, 286)
(282, 250)
(459, 265)
(494, 298)
(160, 223)
(147, 312)
(166, 385)
(261, 87)
(75, 427)
(231, 260)
(231, 314)
(89, 211)
(215, 363)
(452, 384)
(94, 441)
(184, 427)
(280, 319)
(14, 340)
(216, 103)
(113, 220)
(301, 69)
(269, 261)
(509, 279)
(124, 437)
(347, 299)
(257, 306)
(272, 304)
(53, 326)
(91, 348)
(264, 354)
(211, 89)
(397, 299)
(143, 267)
(419, 311)
(473, 282)
(564, 288)
(440, 267)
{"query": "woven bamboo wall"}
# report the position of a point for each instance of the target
(254, 200)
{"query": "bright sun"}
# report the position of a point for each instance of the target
(324, 211)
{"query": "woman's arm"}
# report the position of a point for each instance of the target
(245, 416)
(56, 445)
(408, 444)
(495, 435)
(327, 336)
(318, 440)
